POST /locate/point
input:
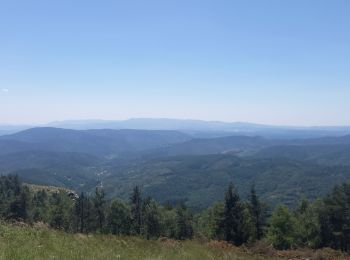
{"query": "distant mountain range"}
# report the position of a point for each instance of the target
(175, 165)
(102, 142)
(196, 128)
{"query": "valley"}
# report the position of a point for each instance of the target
(174, 166)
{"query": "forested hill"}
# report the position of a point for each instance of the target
(174, 166)
(101, 142)
(227, 224)
(200, 180)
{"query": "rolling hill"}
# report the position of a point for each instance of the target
(171, 166)
(202, 180)
(95, 142)
(332, 154)
(203, 128)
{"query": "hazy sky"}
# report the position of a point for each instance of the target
(263, 61)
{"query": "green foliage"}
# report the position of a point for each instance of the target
(169, 224)
(258, 215)
(151, 219)
(99, 206)
(14, 199)
(136, 211)
(118, 218)
(282, 230)
(184, 227)
(60, 211)
(26, 243)
(233, 221)
(201, 180)
(335, 218)
(40, 206)
(210, 222)
(308, 230)
(323, 223)
(284, 170)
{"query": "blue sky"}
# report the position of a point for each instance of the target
(276, 62)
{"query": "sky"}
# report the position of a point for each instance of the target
(273, 62)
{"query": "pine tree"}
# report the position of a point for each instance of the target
(57, 217)
(118, 218)
(136, 210)
(99, 206)
(184, 227)
(19, 206)
(257, 214)
(233, 217)
(151, 219)
(40, 206)
(335, 218)
(80, 213)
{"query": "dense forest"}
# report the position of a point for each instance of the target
(174, 166)
(321, 223)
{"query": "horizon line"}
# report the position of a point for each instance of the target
(97, 120)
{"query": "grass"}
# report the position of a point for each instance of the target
(21, 243)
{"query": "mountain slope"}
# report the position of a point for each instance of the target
(333, 154)
(201, 180)
(229, 144)
(203, 128)
(95, 142)
(66, 169)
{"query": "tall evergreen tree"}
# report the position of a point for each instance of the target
(233, 217)
(40, 206)
(57, 217)
(81, 213)
(257, 214)
(136, 210)
(335, 218)
(19, 206)
(151, 219)
(99, 206)
(184, 227)
(118, 218)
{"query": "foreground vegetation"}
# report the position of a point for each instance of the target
(172, 166)
(43, 243)
(323, 223)
(20, 241)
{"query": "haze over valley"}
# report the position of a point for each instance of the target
(189, 161)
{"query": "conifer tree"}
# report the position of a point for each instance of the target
(118, 218)
(184, 228)
(80, 213)
(136, 210)
(257, 214)
(151, 219)
(233, 217)
(335, 218)
(20, 204)
(99, 205)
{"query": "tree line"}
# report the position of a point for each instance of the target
(94, 213)
(324, 222)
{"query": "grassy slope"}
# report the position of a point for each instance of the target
(41, 243)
